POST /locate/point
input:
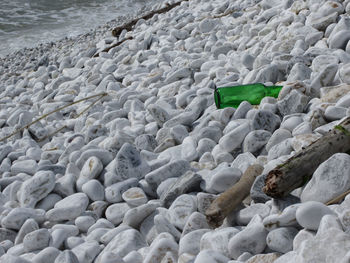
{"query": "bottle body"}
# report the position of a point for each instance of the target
(234, 95)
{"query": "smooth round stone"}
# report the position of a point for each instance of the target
(278, 136)
(159, 249)
(242, 110)
(286, 218)
(233, 140)
(66, 256)
(190, 243)
(18, 215)
(87, 251)
(325, 185)
(301, 237)
(194, 222)
(115, 213)
(218, 240)
(205, 145)
(100, 223)
(252, 239)
(69, 208)
(181, 209)
(163, 225)
(333, 113)
(113, 193)
(223, 179)
(302, 128)
(29, 225)
(188, 149)
(289, 123)
(207, 25)
(94, 190)
(327, 222)
(110, 257)
(309, 214)
(36, 240)
(255, 141)
(211, 256)
(133, 257)
(91, 168)
(84, 222)
(136, 215)
(25, 166)
(65, 186)
(281, 239)
(106, 238)
(48, 202)
(265, 120)
(165, 185)
(244, 216)
(47, 255)
(135, 196)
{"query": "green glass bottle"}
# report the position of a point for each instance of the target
(234, 95)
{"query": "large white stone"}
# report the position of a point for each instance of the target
(309, 214)
(329, 180)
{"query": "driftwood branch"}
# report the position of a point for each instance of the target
(128, 26)
(297, 170)
(232, 197)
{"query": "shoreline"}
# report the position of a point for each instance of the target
(61, 47)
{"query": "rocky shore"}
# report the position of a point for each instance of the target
(127, 175)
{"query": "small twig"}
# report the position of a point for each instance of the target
(338, 198)
(81, 113)
(52, 134)
(51, 112)
(112, 46)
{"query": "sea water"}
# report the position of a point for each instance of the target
(27, 23)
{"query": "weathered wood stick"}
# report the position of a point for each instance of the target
(338, 198)
(297, 170)
(128, 26)
(232, 197)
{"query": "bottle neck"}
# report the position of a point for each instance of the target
(273, 91)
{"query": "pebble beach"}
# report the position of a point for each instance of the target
(112, 148)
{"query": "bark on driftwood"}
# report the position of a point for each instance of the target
(297, 170)
(232, 197)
